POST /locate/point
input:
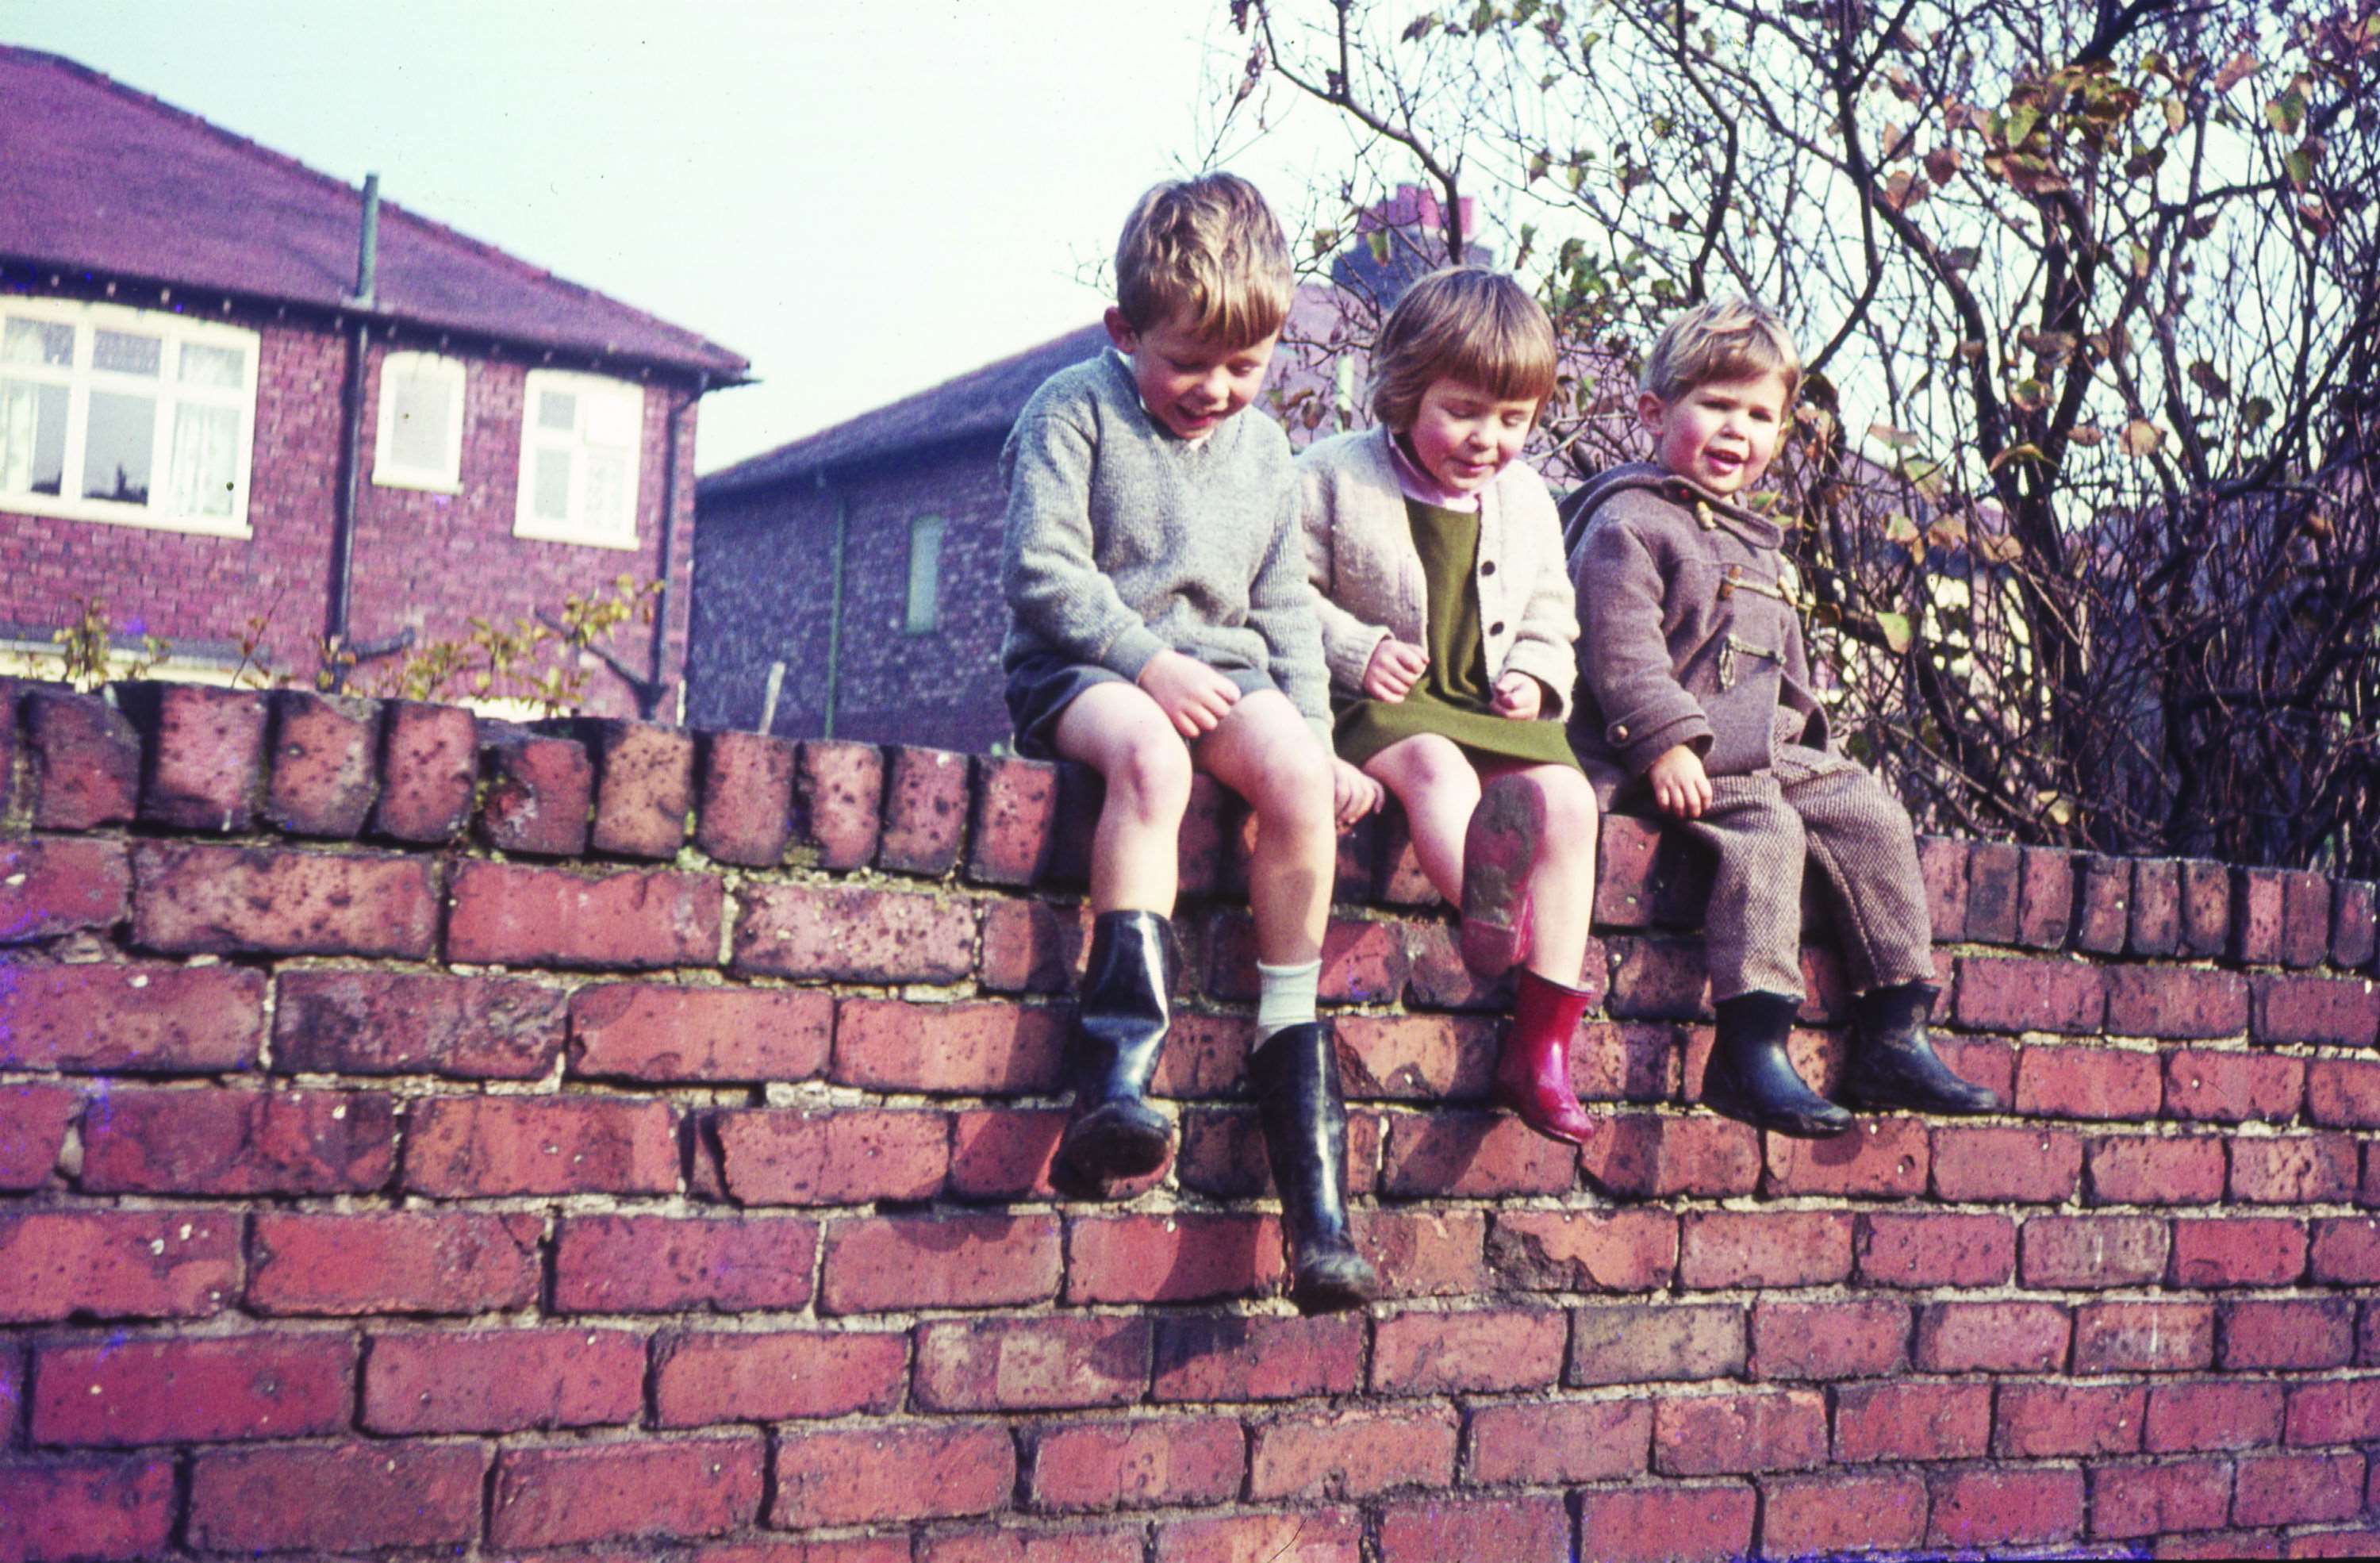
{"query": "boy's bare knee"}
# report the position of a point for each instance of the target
(1152, 773)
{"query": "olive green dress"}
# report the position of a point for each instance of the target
(1454, 697)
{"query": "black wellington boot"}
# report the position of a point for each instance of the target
(1296, 1078)
(1893, 1062)
(1752, 1078)
(1119, 1028)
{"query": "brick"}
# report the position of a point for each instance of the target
(1143, 1463)
(2314, 1332)
(117, 1264)
(2062, 1251)
(1306, 1536)
(595, 1492)
(1822, 1340)
(660, 1032)
(1357, 1452)
(540, 791)
(1943, 863)
(2003, 994)
(1033, 946)
(2103, 915)
(120, 1394)
(2341, 1410)
(2206, 908)
(2298, 1489)
(2176, 1002)
(401, 1262)
(2010, 1165)
(1666, 1522)
(12, 1361)
(339, 1497)
(2050, 1421)
(132, 1018)
(665, 1265)
(1009, 1364)
(1880, 1159)
(1724, 1248)
(1611, 1061)
(2346, 1251)
(644, 786)
(1433, 1531)
(1016, 816)
(1876, 1422)
(832, 1155)
(1624, 878)
(879, 1264)
(2146, 1170)
(1464, 1154)
(1935, 1248)
(2239, 1250)
(2143, 1336)
(1644, 1343)
(1416, 1058)
(207, 900)
(1994, 871)
(853, 935)
(2258, 895)
(2353, 906)
(1438, 979)
(1007, 1153)
(1641, 1155)
(86, 761)
(1223, 1154)
(1713, 1434)
(2305, 918)
(983, 1543)
(514, 914)
(502, 1380)
(54, 887)
(1987, 1507)
(206, 754)
(2341, 1012)
(1558, 1443)
(1423, 1252)
(983, 1049)
(361, 1022)
(475, 1146)
(429, 760)
(1205, 1056)
(1658, 980)
(2139, 1498)
(85, 1509)
(2157, 908)
(838, 801)
(2294, 1170)
(2241, 1416)
(2343, 1093)
(2046, 901)
(1486, 1349)
(239, 1142)
(323, 779)
(1239, 1357)
(2362, 1542)
(704, 1377)
(1981, 1060)
(1362, 962)
(746, 811)
(1177, 1258)
(1993, 1336)
(926, 798)
(2085, 1081)
(1583, 1250)
(1802, 1515)
(33, 1124)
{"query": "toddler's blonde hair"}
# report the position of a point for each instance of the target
(1466, 324)
(1206, 253)
(1721, 339)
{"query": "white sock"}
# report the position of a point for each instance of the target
(1285, 996)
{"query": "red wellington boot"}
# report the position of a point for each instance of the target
(1532, 1072)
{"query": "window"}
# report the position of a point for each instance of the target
(580, 436)
(128, 416)
(925, 575)
(420, 443)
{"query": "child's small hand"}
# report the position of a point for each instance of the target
(1680, 786)
(1394, 666)
(1519, 697)
(1352, 794)
(1192, 695)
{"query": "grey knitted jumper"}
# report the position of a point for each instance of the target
(1124, 540)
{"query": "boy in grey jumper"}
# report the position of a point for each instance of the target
(1695, 693)
(1161, 622)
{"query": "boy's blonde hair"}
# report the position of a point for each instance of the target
(1469, 323)
(1206, 252)
(1720, 339)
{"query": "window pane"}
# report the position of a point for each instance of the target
(607, 492)
(925, 573)
(611, 420)
(422, 414)
(212, 366)
(125, 353)
(37, 341)
(32, 437)
(118, 446)
(206, 463)
(552, 498)
(557, 409)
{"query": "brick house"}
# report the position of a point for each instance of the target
(209, 413)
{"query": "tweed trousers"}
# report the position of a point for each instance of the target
(1815, 807)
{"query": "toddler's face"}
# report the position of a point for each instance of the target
(1464, 435)
(1188, 382)
(1720, 434)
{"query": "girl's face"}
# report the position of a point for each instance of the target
(1464, 435)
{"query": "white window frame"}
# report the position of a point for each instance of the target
(627, 406)
(79, 379)
(388, 471)
(922, 528)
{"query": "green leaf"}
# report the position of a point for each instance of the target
(1899, 528)
(2287, 112)
(1896, 631)
(2140, 259)
(2256, 412)
(2300, 167)
(2019, 125)
(2142, 438)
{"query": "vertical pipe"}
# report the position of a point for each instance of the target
(343, 520)
(648, 699)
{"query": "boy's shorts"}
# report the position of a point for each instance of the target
(1041, 685)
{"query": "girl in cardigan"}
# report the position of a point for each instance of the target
(1448, 625)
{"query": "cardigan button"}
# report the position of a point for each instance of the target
(1496, 629)
(1487, 566)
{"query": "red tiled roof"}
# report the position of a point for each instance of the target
(96, 177)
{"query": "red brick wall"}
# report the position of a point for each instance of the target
(377, 1191)
(428, 561)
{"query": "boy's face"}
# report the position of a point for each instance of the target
(1720, 434)
(1188, 382)
(1464, 435)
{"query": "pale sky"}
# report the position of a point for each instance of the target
(862, 198)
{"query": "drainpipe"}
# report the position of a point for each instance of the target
(648, 699)
(343, 523)
(834, 609)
